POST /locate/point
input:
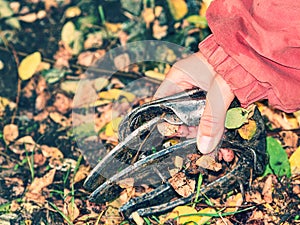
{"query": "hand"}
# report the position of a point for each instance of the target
(195, 71)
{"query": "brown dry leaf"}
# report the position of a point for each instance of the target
(73, 211)
(41, 85)
(290, 139)
(122, 62)
(137, 218)
(50, 3)
(60, 119)
(267, 189)
(182, 185)
(14, 206)
(112, 216)
(223, 221)
(278, 120)
(37, 198)
(16, 185)
(167, 129)
(208, 162)
(82, 173)
(10, 133)
(248, 130)
(234, 202)
(159, 31)
(148, 16)
(62, 56)
(24, 144)
(41, 101)
(51, 152)
(254, 197)
(39, 159)
(256, 215)
(62, 103)
(39, 183)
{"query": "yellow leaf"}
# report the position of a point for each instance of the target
(29, 65)
(68, 33)
(235, 200)
(112, 127)
(294, 162)
(72, 12)
(155, 75)
(113, 27)
(178, 8)
(248, 130)
(181, 211)
(115, 94)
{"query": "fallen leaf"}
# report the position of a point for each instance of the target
(62, 103)
(29, 65)
(116, 94)
(159, 31)
(112, 127)
(198, 20)
(254, 197)
(234, 202)
(267, 189)
(167, 129)
(290, 139)
(155, 75)
(294, 162)
(122, 62)
(148, 16)
(39, 183)
(236, 117)
(72, 11)
(178, 8)
(207, 162)
(278, 159)
(5, 102)
(24, 144)
(10, 133)
(73, 211)
(180, 211)
(60, 119)
(51, 152)
(182, 185)
(82, 173)
(137, 218)
(248, 130)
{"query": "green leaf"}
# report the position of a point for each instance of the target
(236, 117)
(197, 20)
(278, 161)
(53, 75)
(6, 11)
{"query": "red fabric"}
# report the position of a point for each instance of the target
(255, 46)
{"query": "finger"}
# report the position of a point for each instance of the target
(211, 127)
(193, 71)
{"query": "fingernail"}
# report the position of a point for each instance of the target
(206, 144)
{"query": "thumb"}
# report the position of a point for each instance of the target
(211, 127)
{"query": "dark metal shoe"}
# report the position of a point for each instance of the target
(141, 156)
